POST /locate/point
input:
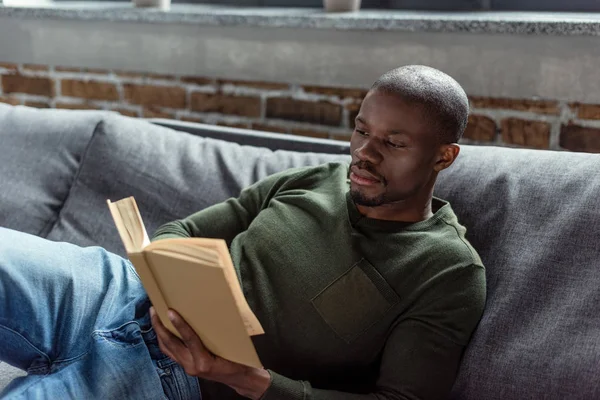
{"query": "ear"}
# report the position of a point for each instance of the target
(447, 155)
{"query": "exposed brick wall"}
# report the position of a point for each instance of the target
(315, 111)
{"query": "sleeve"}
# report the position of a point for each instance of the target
(422, 354)
(227, 219)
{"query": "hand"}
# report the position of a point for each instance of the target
(196, 360)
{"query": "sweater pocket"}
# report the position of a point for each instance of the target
(355, 301)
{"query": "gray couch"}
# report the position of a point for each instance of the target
(534, 217)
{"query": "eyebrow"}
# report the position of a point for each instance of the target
(390, 132)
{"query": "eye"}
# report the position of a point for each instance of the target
(396, 145)
(360, 132)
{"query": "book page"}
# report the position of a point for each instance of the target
(253, 326)
(131, 229)
(182, 246)
(194, 247)
(129, 224)
(142, 267)
(203, 297)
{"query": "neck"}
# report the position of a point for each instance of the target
(415, 209)
(400, 211)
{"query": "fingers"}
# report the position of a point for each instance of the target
(168, 343)
(190, 338)
(202, 358)
(189, 351)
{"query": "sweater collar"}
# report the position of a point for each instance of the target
(441, 210)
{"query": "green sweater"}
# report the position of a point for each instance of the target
(353, 307)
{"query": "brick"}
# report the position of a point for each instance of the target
(156, 113)
(76, 106)
(536, 106)
(67, 69)
(320, 113)
(161, 96)
(37, 104)
(83, 70)
(95, 71)
(335, 91)
(588, 111)
(343, 137)
(90, 90)
(257, 126)
(310, 133)
(353, 109)
(125, 112)
(480, 128)
(9, 100)
(246, 106)
(35, 67)
(534, 134)
(241, 125)
(193, 119)
(197, 80)
(128, 74)
(580, 138)
(144, 75)
(29, 85)
(9, 66)
(255, 84)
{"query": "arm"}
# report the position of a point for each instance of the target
(420, 358)
(227, 219)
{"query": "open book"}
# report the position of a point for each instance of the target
(196, 278)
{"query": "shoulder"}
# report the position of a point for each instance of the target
(451, 239)
(306, 176)
(450, 268)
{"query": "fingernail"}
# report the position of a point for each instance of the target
(152, 312)
(171, 315)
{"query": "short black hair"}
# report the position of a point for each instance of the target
(441, 97)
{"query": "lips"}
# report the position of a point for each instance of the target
(362, 177)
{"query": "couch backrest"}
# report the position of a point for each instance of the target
(533, 216)
(171, 175)
(40, 154)
(269, 140)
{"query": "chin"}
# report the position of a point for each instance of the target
(362, 199)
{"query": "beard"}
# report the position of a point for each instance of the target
(360, 199)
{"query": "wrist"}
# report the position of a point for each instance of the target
(253, 384)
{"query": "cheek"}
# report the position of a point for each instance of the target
(407, 172)
(354, 143)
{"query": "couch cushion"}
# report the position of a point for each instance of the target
(8, 373)
(39, 158)
(534, 218)
(270, 140)
(171, 175)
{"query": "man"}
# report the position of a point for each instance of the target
(363, 281)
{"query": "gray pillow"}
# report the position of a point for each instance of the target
(171, 175)
(40, 152)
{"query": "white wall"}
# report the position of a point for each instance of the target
(554, 67)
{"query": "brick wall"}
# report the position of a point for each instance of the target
(325, 112)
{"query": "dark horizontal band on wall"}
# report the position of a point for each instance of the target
(440, 5)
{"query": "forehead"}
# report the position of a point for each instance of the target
(387, 112)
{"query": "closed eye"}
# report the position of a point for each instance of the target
(360, 132)
(396, 145)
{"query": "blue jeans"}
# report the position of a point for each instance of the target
(76, 319)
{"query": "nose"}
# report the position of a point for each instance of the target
(368, 152)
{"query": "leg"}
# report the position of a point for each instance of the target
(53, 296)
(75, 319)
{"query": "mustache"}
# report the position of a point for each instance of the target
(370, 169)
